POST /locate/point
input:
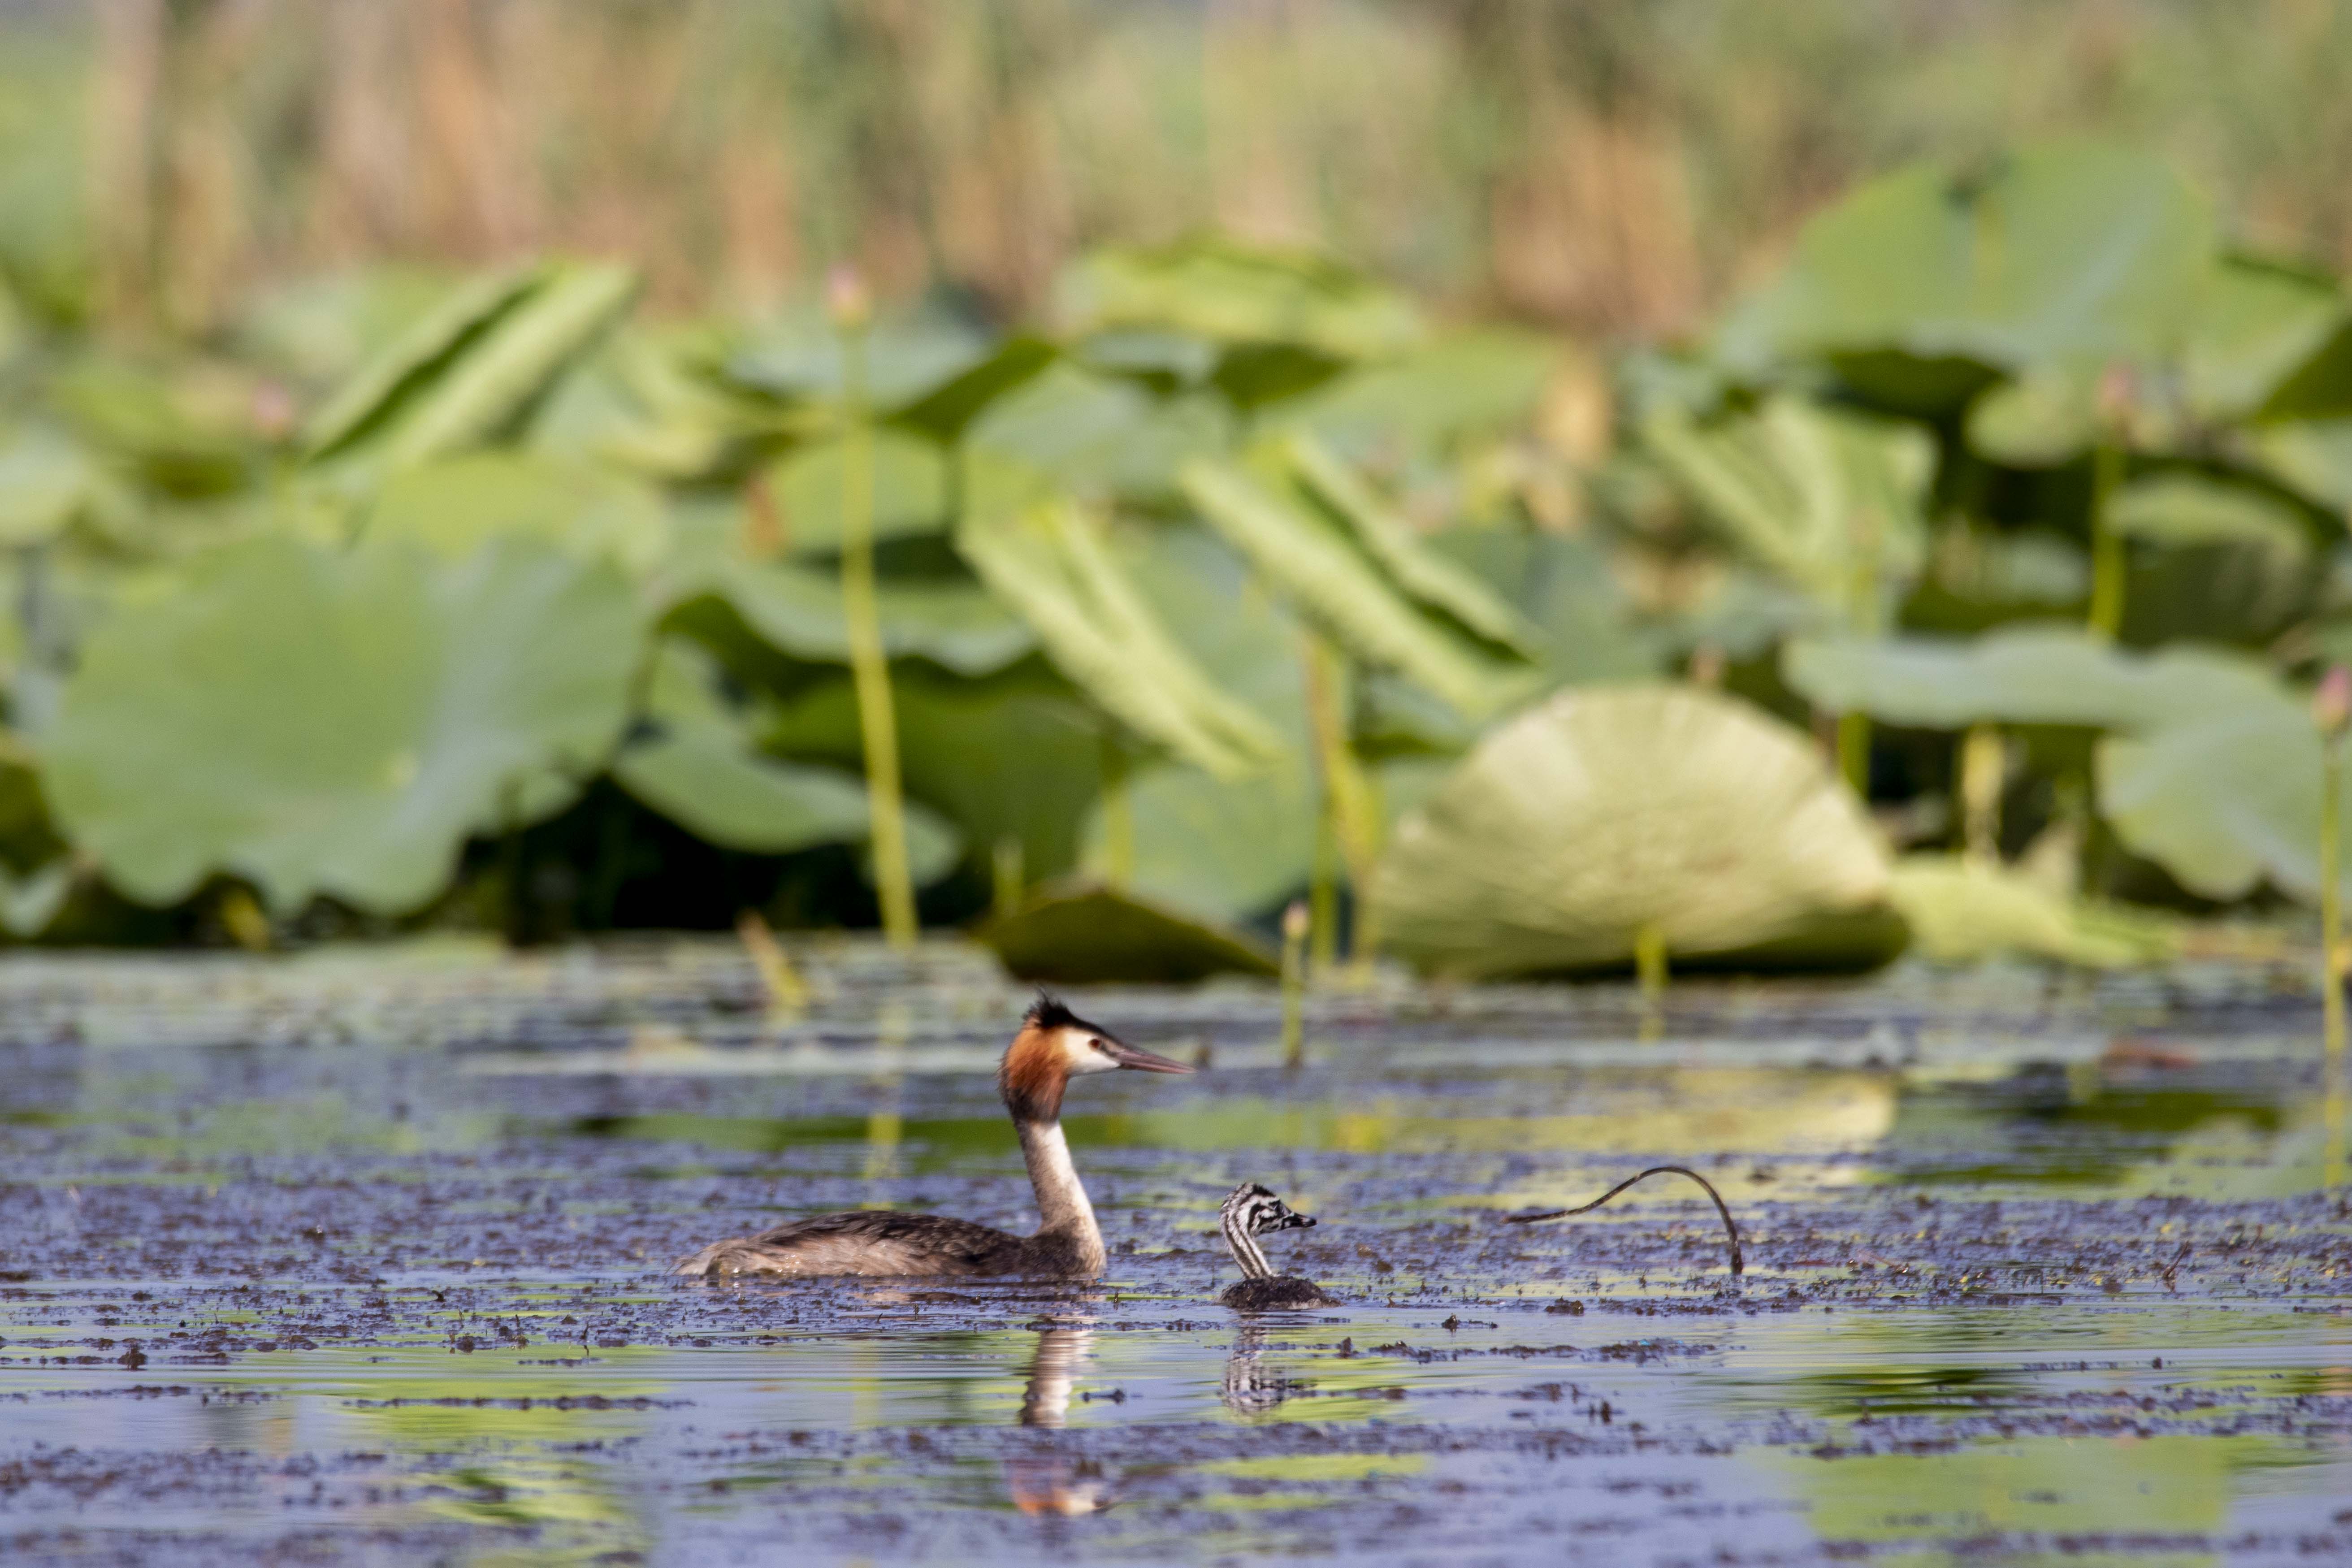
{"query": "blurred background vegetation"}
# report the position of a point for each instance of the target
(1556, 485)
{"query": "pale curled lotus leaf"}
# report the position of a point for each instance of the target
(1963, 911)
(386, 380)
(796, 609)
(1099, 436)
(339, 723)
(1607, 809)
(1429, 398)
(2027, 674)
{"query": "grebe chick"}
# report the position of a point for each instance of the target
(1054, 1044)
(1248, 1212)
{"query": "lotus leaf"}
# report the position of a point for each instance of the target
(2068, 250)
(907, 358)
(1171, 359)
(43, 480)
(797, 611)
(1046, 557)
(451, 506)
(399, 372)
(2023, 675)
(469, 371)
(1079, 935)
(1831, 501)
(1098, 436)
(2312, 456)
(1961, 910)
(700, 767)
(29, 902)
(1564, 588)
(1429, 398)
(1609, 809)
(1219, 851)
(1043, 747)
(1230, 294)
(2179, 509)
(2046, 418)
(2225, 801)
(910, 480)
(1314, 555)
(2253, 326)
(339, 723)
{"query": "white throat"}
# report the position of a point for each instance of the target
(1062, 1202)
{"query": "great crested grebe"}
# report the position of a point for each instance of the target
(1054, 1044)
(1249, 1212)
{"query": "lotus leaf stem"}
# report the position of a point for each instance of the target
(2331, 937)
(1854, 752)
(1117, 816)
(1730, 1225)
(869, 661)
(1350, 801)
(1294, 926)
(1012, 876)
(2107, 545)
(1984, 764)
(1650, 962)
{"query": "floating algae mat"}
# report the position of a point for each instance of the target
(358, 1257)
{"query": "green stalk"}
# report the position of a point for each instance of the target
(869, 662)
(1323, 891)
(1012, 875)
(2106, 544)
(1853, 752)
(1118, 816)
(1650, 962)
(1294, 986)
(2331, 934)
(1349, 800)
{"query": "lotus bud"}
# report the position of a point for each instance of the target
(2117, 398)
(846, 299)
(1295, 920)
(2331, 705)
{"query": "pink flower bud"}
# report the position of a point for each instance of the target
(846, 298)
(2118, 398)
(2331, 704)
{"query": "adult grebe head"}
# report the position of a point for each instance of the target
(1055, 1045)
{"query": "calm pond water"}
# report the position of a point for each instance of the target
(357, 1257)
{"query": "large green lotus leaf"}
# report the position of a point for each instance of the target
(1083, 935)
(45, 479)
(1042, 746)
(909, 493)
(1316, 558)
(339, 723)
(1045, 556)
(2312, 456)
(699, 765)
(907, 359)
(1961, 910)
(1607, 809)
(2224, 803)
(797, 610)
(1098, 435)
(1231, 294)
(401, 370)
(2022, 675)
(321, 328)
(1831, 501)
(453, 506)
(2182, 509)
(2066, 251)
(186, 431)
(1238, 630)
(2253, 326)
(1429, 398)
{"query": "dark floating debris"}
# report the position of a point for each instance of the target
(1250, 1211)
(1730, 1227)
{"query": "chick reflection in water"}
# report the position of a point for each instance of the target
(1052, 1483)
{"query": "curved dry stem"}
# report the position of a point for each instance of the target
(1730, 1227)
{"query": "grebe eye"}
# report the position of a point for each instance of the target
(1097, 1043)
